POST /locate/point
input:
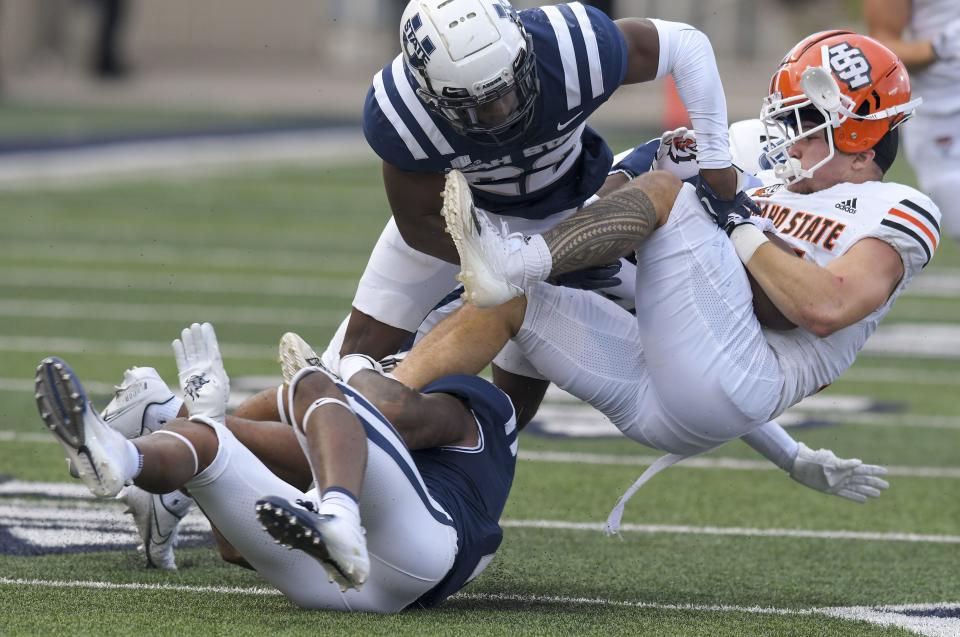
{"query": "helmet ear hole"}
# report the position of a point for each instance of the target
(821, 88)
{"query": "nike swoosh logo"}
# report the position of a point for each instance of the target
(569, 121)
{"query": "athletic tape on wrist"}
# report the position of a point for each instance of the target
(747, 238)
(353, 363)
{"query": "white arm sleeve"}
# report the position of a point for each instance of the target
(773, 443)
(686, 54)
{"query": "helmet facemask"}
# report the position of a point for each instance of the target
(500, 108)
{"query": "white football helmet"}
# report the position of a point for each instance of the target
(474, 63)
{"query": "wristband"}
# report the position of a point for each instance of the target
(353, 363)
(746, 239)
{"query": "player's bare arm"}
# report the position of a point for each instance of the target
(415, 199)
(643, 54)
(886, 21)
(824, 300)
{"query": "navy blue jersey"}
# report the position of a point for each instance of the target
(559, 162)
(472, 484)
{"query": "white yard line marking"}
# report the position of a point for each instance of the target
(162, 255)
(861, 613)
(140, 312)
(733, 464)
(192, 158)
(60, 512)
(681, 529)
(314, 285)
(62, 345)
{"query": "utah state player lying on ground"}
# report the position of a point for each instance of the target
(431, 517)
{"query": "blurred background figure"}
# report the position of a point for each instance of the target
(926, 36)
(108, 61)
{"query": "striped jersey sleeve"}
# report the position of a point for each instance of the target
(397, 125)
(581, 45)
(912, 227)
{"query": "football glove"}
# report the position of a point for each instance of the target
(594, 278)
(823, 471)
(677, 153)
(637, 161)
(205, 384)
(727, 213)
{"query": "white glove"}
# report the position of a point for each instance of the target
(677, 153)
(205, 384)
(946, 44)
(824, 471)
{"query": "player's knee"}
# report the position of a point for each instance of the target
(662, 188)
(202, 437)
(307, 390)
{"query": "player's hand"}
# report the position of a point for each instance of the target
(205, 384)
(848, 478)
(727, 213)
(946, 44)
(594, 278)
(677, 153)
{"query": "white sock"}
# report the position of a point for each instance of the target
(177, 502)
(339, 502)
(529, 261)
(156, 416)
(132, 461)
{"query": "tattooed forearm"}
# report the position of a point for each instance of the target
(602, 232)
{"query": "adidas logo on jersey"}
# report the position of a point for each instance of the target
(849, 206)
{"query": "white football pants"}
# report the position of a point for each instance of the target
(410, 549)
(692, 370)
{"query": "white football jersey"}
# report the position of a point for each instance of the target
(821, 227)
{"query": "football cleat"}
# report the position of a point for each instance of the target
(482, 248)
(338, 545)
(157, 518)
(91, 446)
(295, 354)
(140, 389)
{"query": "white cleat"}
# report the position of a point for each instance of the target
(338, 545)
(482, 248)
(92, 447)
(157, 518)
(140, 388)
(295, 354)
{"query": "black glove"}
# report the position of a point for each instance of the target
(727, 213)
(595, 278)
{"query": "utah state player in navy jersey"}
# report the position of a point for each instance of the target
(429, 519)
(504, 97)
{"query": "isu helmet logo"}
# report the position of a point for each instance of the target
(850, 65)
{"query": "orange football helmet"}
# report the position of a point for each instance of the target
(859, 87)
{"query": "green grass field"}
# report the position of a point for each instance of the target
(105, 276)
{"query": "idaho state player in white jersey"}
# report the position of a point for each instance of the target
(932, 54)
(824, 225)
(695, 368)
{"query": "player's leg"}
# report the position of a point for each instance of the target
(709, 363)
(410, 538)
